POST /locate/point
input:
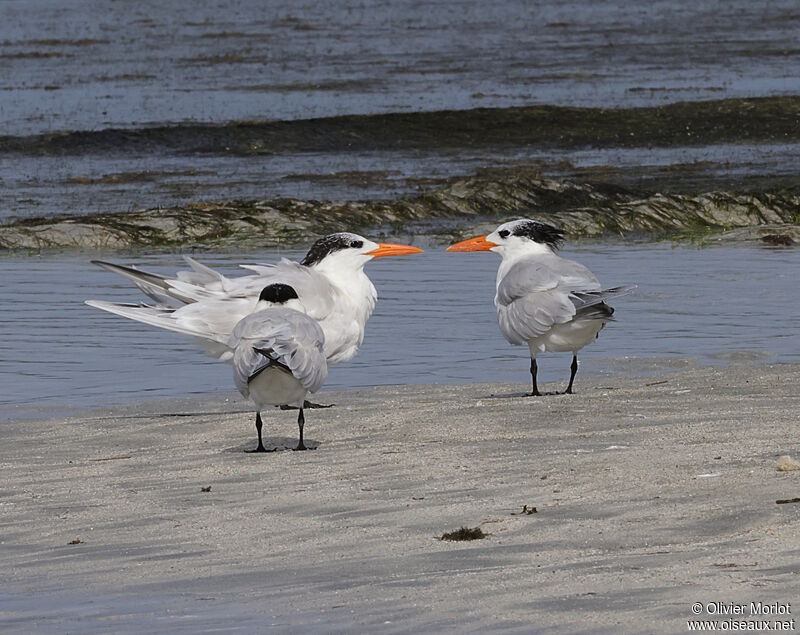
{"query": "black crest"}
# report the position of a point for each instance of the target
(329, 244)
(278, 293)
(539, 232)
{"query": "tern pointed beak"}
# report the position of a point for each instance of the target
(391, 249)
(478, 243)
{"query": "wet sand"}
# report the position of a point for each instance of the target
(651, 494)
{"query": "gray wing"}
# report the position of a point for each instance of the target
(314, 291)
(187, 286)
(529, 317)
(153, 285)
(585, 300)
(537, 293)
(201, 283)
(534, 275)
(201, 275)
(293, 339)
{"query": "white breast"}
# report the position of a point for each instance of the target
(276, 387)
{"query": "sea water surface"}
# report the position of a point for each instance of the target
(434, 323)
(81, 65)
(72, 66)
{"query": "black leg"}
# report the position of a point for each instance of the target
(535, 392)
(259, 425)
(301, 420)
(573, 369)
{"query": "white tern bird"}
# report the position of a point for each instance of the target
(545, 301)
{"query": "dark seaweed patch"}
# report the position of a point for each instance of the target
(777, 240)
(768, 119)
(451, 212)
(464, 533)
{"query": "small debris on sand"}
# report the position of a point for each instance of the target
(787, 464)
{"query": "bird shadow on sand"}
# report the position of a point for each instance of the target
(168, 415)
(272, 444)
(521, 395)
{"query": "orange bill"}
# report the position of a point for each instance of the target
(473, 244)
(391, 249)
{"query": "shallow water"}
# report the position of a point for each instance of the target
(434, 323)
(67, 66)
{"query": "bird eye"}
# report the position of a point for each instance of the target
(504, 233)
(357, 244)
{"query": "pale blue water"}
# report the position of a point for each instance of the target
(434, 323)
(72, 66)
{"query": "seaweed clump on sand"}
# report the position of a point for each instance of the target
(464, 533)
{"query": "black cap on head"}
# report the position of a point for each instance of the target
(328, 244)
(539, 232)
(278, 293)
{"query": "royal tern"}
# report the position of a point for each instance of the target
(330, 283)
(276, 351)
(545, 301)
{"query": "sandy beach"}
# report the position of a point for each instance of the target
(651, 494)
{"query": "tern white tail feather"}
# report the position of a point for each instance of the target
(214, 343)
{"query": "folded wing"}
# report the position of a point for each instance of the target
(283, 337)
(534, 295)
